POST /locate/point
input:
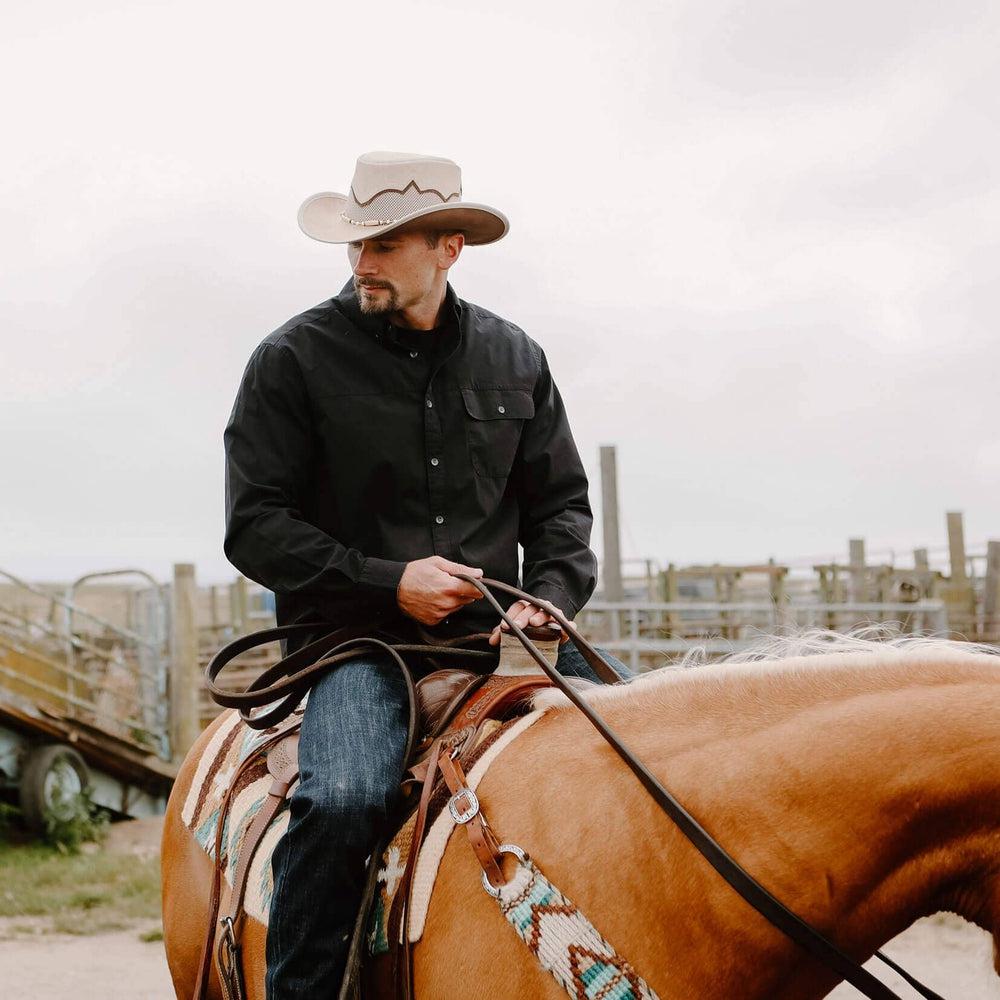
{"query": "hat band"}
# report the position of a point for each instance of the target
(371, 222)
(390, 206)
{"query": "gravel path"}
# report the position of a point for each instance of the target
(115, 966)
(951, 957)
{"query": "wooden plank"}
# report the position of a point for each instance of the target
(991, 594)
(107, 752)
(612, 586)
(858, 573)
(956, 546)
(238, 605)
(185, 679)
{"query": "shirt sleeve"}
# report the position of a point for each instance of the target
(555, 514)
(270, 451)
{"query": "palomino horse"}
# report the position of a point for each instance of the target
(860, 785)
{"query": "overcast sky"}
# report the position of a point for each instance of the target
(757, 240)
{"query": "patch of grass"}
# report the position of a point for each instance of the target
(75, 821)
(81, 893)
(88, 900)
(91, 923)
(9, 815)
(24, 929)
(154, 935)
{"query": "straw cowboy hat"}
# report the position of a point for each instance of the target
(390, 190)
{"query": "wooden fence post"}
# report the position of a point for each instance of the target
(779, 595)
(612, 584)
(185, 675)
(991, 593)
(956, 546)
(959, 593)
(859, 592)
(671, 594)
(238, 605)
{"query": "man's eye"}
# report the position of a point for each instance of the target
(385, 249)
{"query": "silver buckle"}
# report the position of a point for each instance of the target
(463, 817)
(227, 950)
(518, 852)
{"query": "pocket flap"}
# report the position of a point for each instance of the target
(499, 404)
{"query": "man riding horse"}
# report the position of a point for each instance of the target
(380, 442)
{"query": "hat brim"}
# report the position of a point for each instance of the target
(321, 218)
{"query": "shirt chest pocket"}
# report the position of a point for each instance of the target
(493, 425)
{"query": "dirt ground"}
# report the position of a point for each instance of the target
(116, 966)
(952, 957)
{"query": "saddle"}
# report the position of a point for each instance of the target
(453, 707)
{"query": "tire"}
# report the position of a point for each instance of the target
(47, 772)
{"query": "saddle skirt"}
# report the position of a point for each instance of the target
(232, 744)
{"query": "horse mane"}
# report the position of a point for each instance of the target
(797, 650)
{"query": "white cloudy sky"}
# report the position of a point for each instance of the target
(758, 241)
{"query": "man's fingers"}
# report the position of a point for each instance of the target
(453, 567)
(527, 614)
(465, 591)
(515, 611)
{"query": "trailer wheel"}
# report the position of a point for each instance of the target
(52, 781)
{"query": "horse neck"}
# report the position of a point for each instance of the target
(909, 788)
(863, 800)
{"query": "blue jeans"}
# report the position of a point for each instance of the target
(351, 748)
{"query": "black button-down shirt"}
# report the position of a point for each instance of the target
(355, 447)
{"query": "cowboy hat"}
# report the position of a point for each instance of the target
(390, 190)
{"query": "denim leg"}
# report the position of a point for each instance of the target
(351, 747)
(572, 664)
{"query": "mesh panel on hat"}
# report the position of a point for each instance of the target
(390, 205)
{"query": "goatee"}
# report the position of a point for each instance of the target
(373, 303)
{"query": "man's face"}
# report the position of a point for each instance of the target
(393, 272)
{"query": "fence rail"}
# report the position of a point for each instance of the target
(646, 632)
(84, 667)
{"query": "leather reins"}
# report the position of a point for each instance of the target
(302, 668)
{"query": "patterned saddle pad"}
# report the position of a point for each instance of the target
(232, 743)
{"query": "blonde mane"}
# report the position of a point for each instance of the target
(930, 659)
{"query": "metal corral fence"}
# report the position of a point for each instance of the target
(83, 699)
(83, 666)
(648, 634)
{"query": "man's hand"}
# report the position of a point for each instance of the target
(523, 614)
(429, 593)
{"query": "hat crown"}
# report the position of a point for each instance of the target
(387, 186)
(392, 189)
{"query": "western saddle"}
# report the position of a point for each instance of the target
(452, 707)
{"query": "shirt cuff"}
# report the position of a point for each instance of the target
(382, 573)
(555, 594)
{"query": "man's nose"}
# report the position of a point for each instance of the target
(365, 264)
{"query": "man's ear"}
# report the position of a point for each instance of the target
(450, 249)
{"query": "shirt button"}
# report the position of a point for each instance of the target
(439, 519)
(430, 404)
(413, 354)
(434, 461)
(501, 409)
